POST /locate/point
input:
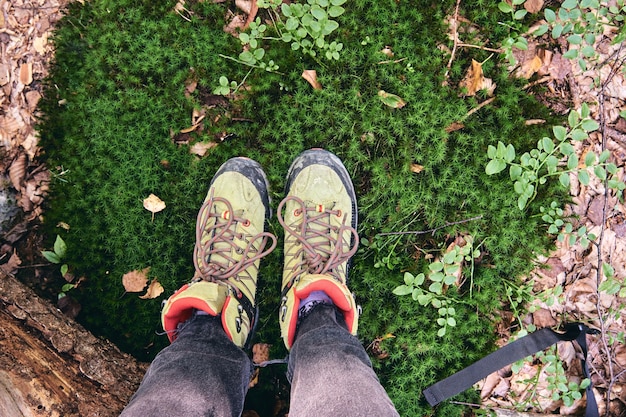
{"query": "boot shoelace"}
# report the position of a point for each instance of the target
(213, 260)
(323, 252)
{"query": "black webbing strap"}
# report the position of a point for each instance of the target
(519, 349)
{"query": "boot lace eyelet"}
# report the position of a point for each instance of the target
(246, 223)
(339, 213)
(297, 212)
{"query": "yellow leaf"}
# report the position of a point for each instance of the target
(311, 77)
(153, 204)
(475, 81)
(416, 168)
(387, 51)
(135, 281)
(154, 290)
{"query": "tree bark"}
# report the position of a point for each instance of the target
(51, 366)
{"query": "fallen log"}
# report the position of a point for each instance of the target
(51, 366)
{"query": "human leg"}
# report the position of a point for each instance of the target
(202, 373)
(330, 372)
(329, 369)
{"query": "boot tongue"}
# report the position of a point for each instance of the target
(318, 232)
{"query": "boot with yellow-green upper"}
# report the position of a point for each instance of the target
(319, 216)
(230, 241)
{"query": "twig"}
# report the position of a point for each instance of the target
(536, 82)
(599, 308)
(392, 61)
(423, 232)
(484, 48)
(455, 39)
(480, 106)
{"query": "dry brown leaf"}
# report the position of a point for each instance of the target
(235, 24)
(311, 77)
(154, 290)
(260, 353)
(40, 43)
(153, 204)
(475, 81)
(416, 168)
(244, 5)
(5, 73)
(26, 73)
(454, 126)
(533, 66)
(135, 281)
(17, 171)
(201, 148)
(10, 267)
(533, 6)
(491, 382)
(543, 318)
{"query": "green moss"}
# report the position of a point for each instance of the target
(120, 72)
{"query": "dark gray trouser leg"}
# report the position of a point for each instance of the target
(201, 374)
(330, 372)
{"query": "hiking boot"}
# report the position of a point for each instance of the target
(230, 241)
(320, 219)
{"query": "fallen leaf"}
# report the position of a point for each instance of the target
(154, 290)
(387, 51)
(235, 24)
(201, 148)
(10, 267)
(391, 100)
(153, 204)
(17, 171)
(26, 73)
(475, 81)
(533, 6)
(244, 5)
(529, 67)
(543, 318)
(135, 281)
(489, 385)
(311, 77)
(454, 126)
(40, 43)
(5, 73)
(416, 168)
(260, 353)
(254, 379)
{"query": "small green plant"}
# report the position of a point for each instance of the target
(563, 228)
(305, 26)
(225, 87)
(581, 22)
(441, 274)
(561, 388)
(57, 254)
(515, 39)
(538, 165)
(611, 284)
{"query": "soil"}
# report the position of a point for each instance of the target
(26, 26)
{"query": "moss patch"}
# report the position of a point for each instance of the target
(117, 95)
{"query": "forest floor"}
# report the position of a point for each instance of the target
(26, 27)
